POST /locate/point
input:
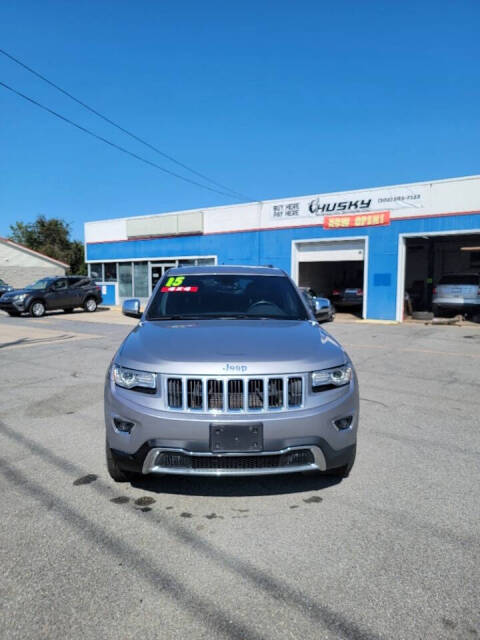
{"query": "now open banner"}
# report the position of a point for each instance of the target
(362, 220)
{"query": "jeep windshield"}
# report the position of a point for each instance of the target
(226, 296)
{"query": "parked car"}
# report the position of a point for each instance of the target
(348, 297)
(322, 308)
(228, 374)
(47, 294)
(457, 292)
(4, 287)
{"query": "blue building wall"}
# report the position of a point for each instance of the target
(275, 246)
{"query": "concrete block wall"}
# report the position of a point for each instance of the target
(19, 267)
(20, 276)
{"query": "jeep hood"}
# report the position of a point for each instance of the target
(230, 347)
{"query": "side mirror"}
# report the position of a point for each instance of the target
(131, 308)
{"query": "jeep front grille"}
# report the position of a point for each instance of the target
(235, 395)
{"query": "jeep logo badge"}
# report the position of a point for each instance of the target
(235, 368)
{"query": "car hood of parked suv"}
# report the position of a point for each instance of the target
(230, 347)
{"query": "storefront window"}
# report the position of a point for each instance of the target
(96, 271)
(125, 279)
(140, 279)
(110, 271)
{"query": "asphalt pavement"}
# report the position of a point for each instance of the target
(391, 552)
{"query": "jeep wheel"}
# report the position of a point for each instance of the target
(90, 305)
(114, 470)
(37, 309)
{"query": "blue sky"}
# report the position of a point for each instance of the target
(273, 99)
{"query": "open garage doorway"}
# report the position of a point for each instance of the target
(334, 269)
(427, 259)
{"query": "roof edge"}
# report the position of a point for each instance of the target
(33, 252)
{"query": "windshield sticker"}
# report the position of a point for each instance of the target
(174, 284)
(175, 281)
(179, 289)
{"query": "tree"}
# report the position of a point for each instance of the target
(51, 236)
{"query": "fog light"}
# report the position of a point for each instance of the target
(343, 423)
(125, 426)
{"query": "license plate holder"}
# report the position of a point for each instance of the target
(233, 438)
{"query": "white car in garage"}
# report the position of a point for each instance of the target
(457, 292)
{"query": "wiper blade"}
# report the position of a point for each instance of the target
(174, 317)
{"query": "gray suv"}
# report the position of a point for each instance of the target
(457, 292)
(229, 374)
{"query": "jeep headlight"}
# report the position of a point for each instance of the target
(20, 297)
(338, 376)
(134, 379)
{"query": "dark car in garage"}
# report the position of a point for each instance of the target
(348, 297)
(49, 294)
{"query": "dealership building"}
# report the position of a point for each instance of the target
(384, 241)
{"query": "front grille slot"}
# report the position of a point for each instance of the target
(255, 394)
(275, 393)
(215, 394)
(235, 394)
(174, 393)
(194, 394)
(294, 392)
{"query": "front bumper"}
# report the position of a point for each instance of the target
(10, 306)
(455, 303)
(186, 436)
(324, 314)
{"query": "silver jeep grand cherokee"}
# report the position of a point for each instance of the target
(228, 373)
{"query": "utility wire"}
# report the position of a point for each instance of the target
(113, 144)
(129, 133)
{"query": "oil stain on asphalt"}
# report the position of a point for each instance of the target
(120, 500)
(144, 501)
(313, 499)
(90, 477)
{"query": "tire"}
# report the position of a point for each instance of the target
(69, 310)
(90, 305)
(14, 314)
(422, 315)
(36, 309)
(331, 318)
(114, 470)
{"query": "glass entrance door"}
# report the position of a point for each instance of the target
(157, 271)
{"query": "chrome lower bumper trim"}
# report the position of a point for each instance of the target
(149, 466)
